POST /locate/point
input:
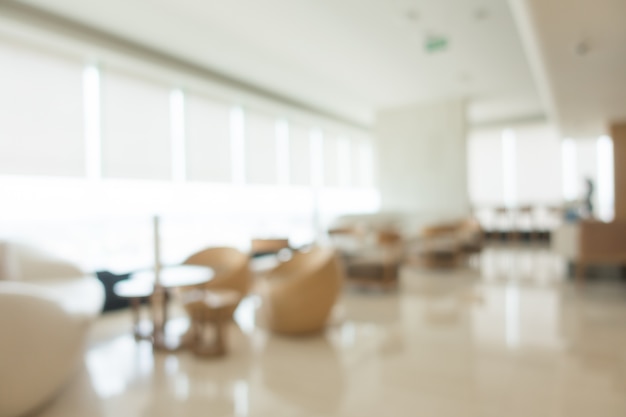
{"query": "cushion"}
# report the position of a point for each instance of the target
(37, 264)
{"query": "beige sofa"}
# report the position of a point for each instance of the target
(46, 307)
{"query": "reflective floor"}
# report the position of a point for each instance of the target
(508, 336)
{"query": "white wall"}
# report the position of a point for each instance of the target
(422, 159)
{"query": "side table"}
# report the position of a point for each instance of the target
(141, 285)
(209, 307)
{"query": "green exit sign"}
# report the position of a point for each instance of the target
(436, 44)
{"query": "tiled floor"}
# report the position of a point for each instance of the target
(511, 338)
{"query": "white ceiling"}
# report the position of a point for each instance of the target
(349, 57)
(587, 91)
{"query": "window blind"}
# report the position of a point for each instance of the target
(136, 142)
(538, 151)
(208, 140)
(41, 112)
(260, 149)
(587, 163)
(366, 164)
(485, 170)
(331, 160)
(300, 155)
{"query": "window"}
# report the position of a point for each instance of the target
(538, 171)
(41, 103)
(300, 155)
(515, 167)
(509, 160)
(485, 166)
(331, 160)
(345, 162)
(260, 149)
(282, 152)
(366, 164)
(317, 157)
(136, 142)
(605, 175)
(112, 120)
(238, 145)
(91, 102)
(570, 174)
(587, 166)
(208, 142)
(177, 110)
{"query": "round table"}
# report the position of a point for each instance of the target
(142, 285)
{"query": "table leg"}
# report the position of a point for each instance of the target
(164, 308)
(158, 319)
(220, 347)
(135, 305)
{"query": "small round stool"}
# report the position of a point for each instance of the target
(209, 308)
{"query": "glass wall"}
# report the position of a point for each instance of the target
(532, 165)
(89, 152)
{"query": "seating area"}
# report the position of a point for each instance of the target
(46, 299)
(48, 306)
(520, 224)
(250, 208)
(220, 300)
(270, 355)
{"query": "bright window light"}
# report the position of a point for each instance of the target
(366, 166)
(317, 158)
(606, 210)
(282, 152)
(509, 167)
(345, 167)
(93, 144)
(237, 143)
(569, 162)
(177, 112)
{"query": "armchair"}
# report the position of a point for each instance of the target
(46, 306)
(299, 294)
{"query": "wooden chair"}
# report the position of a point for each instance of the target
(268, 246)
(371, 260)
(231, 267)
(439, 246)
(502, 216)
(525, 212)
(471, 235)
(299, 294)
